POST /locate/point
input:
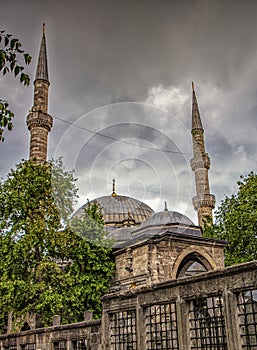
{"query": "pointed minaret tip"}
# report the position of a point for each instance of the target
(196, 119)
(42, 69)
(44, 28)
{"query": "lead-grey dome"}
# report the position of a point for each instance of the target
(160, 223)
(117, 210)
(165, 218)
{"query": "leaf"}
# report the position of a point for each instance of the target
(13, 41)
(16, 70)
(17, 47)
(5, 70)
(12, 65)
(27, 58)
(6, 40)
(24, 78)
(2, 59)
(9, 126)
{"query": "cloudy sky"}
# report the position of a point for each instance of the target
(120, 93)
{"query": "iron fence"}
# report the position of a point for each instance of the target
(161, 327)
(207, 324)
(123, 330)
(247, 313)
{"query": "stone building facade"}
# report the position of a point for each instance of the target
(166, 257)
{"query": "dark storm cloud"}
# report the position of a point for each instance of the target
(109, 53)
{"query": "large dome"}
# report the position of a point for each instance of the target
(121, 210)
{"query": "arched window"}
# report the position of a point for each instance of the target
(193, 264)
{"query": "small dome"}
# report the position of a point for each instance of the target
(119, 210)
(159, 223)
(165, 218)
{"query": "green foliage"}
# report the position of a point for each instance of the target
(49, 265)
(236, 222)
(10, 54)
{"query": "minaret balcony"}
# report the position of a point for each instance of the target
(200, 162)
(204, 200)
(39, 119)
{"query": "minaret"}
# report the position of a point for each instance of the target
(39, 121)
(203, 202)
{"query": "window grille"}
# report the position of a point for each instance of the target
(59, 345)
(80, 344)
(161, 327)
(31, 346)
(123, 330)
(207, 324)
(247, 312)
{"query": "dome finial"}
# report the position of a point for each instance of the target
(114, 194)
(165, 206)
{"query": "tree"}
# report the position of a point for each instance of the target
(236, 222)
(47, 266)
(10, 55)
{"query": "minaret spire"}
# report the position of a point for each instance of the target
(203, 202)
(39, 121)
(42, 70)
(196, 120)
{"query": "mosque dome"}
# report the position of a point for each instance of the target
(164, 221)
(166, 218)
(120, 210)
(156, 224)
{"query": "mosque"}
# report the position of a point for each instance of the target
(128, 220)
(171, 290)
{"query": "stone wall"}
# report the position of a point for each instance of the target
(78, 336)
(212, 310)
